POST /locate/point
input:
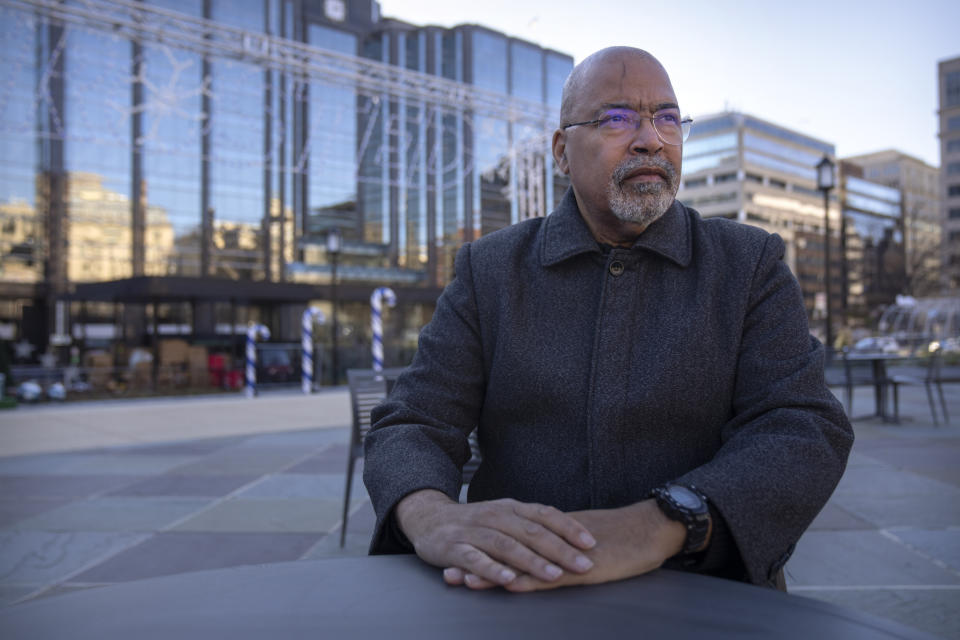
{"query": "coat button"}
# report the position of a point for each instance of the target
(616, 268)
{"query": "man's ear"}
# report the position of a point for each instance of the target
(560, 151)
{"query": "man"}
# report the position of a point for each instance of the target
(643, 381)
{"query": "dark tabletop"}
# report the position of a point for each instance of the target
(399, 597)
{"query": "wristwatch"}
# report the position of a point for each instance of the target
(686, 505)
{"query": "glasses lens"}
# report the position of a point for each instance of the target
(618, 120)
(669, 126)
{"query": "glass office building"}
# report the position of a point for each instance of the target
(176, 167)
(744, 168)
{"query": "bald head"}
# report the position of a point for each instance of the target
(573, 86)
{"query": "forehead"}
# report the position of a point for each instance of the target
(627, 80)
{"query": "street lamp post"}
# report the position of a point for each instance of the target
(825, 182)
(334, 241)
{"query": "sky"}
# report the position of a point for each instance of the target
(859, 75)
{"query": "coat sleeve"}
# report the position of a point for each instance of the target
(418, 438)
(785, 446)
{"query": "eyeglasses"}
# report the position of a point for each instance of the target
(670, 127)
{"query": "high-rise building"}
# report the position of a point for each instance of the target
(872, 247)
(922, 217)
(220, 142)
(744, 168)
(949, 84)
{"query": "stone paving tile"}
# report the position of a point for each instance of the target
(360, 523)
(116, 463)
(13, 511)
(332, 459)
(303, 440)
(237, 461)
(299, 485)
(173, 484)
(942, 544)
(857, 558)
(894, 510)
(43, 557)
(114, 514)
(932, 610)
(61, 486)
(187, 447)
(930, 457)
(177, 552)
(835, 518)
(267, 516)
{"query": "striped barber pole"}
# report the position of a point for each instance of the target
(310, 315)
(376, 323)
(254, 331)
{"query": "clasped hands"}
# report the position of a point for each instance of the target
(528, 547)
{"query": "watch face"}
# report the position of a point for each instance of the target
(685, 497)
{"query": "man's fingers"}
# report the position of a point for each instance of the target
(453, 576)
(473, 561)
(560, 523)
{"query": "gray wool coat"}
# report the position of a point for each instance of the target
(596, 374)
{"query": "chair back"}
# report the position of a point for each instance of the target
(368, 388)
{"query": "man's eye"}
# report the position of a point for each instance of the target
(617, 118)
(668, 118)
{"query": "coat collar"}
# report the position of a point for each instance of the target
(565, 234)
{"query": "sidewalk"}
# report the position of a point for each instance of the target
(100, 493)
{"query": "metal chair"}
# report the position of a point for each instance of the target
(932, 376)
(368, 388)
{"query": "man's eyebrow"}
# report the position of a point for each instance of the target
(623, 105)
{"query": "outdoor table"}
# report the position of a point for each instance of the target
(878, 362)
(400, 597)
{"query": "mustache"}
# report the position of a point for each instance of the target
(631, 165)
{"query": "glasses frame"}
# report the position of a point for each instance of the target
(684, 131)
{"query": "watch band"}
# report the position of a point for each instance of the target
(686, 505)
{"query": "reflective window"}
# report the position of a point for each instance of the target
(331, 142)
(710, 126)
(22, 232)
(709, 161)
(489, 61)
(953, 124)
(709, 144)
(872, 189)
(558, 68)
(780, 165)
(951, 89)
(171, 133)
(490, 174)
(867, 203)
(97, 157)
(774, 131)
(780, 150)
(526, 72)
(953, 145)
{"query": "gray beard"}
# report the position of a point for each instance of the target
(641, 203)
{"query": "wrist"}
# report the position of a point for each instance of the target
(686, 506)
(412, 510)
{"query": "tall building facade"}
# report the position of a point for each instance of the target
(922, 216)
(872, 247)
(177, 166)
(744, 168)
(949, 85)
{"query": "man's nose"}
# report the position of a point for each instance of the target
(645, 138)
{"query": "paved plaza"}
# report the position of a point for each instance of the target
(98, 493)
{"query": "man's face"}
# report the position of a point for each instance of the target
(627, 175)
